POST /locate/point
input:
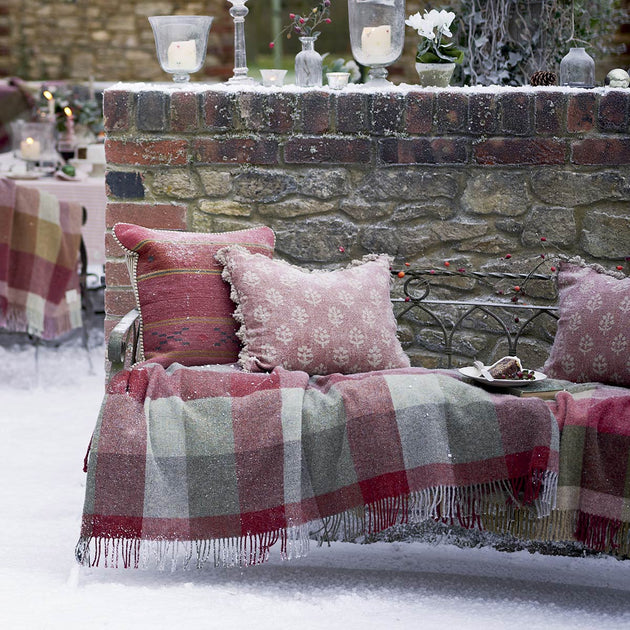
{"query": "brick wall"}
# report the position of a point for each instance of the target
(464, 175)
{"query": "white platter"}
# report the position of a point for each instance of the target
(473, 372)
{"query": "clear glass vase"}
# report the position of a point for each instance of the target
(308, 64)
(577, 69)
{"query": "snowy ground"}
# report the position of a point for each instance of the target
(46, 418)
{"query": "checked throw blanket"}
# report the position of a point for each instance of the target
(39, 249)
(189, 465)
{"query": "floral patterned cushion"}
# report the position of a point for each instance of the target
(185, 305)
(593, 338)
(318, 322)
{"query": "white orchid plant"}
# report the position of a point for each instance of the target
(434, 27)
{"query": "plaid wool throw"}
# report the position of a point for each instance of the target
(39, 249)
(189, 465)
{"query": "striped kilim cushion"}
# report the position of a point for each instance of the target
(185, 305)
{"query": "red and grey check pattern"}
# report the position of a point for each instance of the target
(213, 453)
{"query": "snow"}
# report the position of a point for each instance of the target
(47, 413)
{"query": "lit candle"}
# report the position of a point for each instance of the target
(51, 103)
(69, 120)
(182, 56)
(273, 77)
(376, 44)
(30, 149)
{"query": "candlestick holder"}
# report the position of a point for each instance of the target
(181, 42)
(377, 35)
(238, 13)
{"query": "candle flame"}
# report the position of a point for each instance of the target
(48, 95)
(67, 111)
(29, 140)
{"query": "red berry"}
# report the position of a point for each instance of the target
(401, 274)
(328, 20)
(619, 267)
(407, 299)
(447, 264)
(292, 16)
(543, 238)
(271, 44)
(508, 256)
(517, 288)
(407, 264)
(342, 249)
(553, 269)
(461, 270)
(432, 271)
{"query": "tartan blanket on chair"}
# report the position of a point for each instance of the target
(189, 465)
(594, 479)
(39, 249)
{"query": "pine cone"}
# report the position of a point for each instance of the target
(542, 77)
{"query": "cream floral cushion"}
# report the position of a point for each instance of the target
(318, 322)
(593, 338)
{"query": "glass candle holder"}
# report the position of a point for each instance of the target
(577, 69)
(337, 80)
(181, 42)
(273, 77)
(34, 141)
(377, 34)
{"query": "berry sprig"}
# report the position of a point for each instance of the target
(305, 25)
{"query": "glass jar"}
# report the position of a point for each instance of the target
(377, 34)
(577, 69)
(308, 64)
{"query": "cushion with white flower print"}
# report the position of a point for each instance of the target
(592, 343)
(319, 322)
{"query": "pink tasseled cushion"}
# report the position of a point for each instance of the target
(593, 338)
(317, 322)
(185, 305)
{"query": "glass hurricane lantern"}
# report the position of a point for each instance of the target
(181, 42)
(377, 35)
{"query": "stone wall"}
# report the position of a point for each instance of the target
(459, 175)
(108, 40)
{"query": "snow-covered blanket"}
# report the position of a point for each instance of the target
(594, 481)
(39, 250)
(189, 465)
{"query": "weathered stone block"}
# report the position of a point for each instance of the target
(264, 186)
(448, 231)
(430, 209)
(315, 239)
(323, 183)
(407, 184)
(215, 183)
(605, 233)
(226, 207)
(177, 183)
(570, 188)
(496, 192)
(494, 245)
(364, 210)
(296, 208)
(555, 224)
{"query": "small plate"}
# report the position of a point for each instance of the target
(24, 175)
(68, 178)
(473, 372)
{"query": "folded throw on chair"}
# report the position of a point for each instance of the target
(189, 465)
(39, 249)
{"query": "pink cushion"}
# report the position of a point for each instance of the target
(593, 338)
(185, 305)
(317, 322)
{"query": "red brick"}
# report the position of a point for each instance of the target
(117, 274)
(551, 110)
(419, 110)
(516, 113)
(483, 115)
(117, 110)
(147, 152)
(613, 111)
(387, 112)
(267, 112)
(423, 151)
(350, 112)
(118, 301)
(581, 112)
(235, 150)
(601, 151)
(218, 108)
(112, 248)
(520, 151)
(159, 216)
(451, 112)
(327, 150)
(316, 110)
(184, 112)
